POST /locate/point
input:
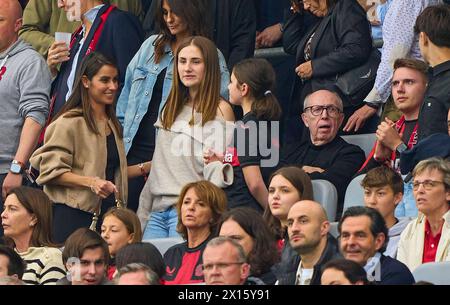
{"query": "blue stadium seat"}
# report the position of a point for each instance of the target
(354, 195)
(364, 141)
(334, 229)
(163, 244)
(436, 273)
(326, 194)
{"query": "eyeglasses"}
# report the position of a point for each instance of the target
(317, 110)
(427, 184)
(219, 266)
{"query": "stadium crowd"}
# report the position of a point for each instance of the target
(127, 124)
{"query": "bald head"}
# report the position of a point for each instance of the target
(11, 8)
(11, 16)
(323, 95)
(311, 208)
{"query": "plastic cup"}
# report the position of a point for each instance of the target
(63, 37)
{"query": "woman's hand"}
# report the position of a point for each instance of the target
(103, 188)
(211, 156)
(58, 53)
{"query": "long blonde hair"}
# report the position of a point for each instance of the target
(209, 91)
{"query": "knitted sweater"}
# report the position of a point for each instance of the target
(178, 160)
(44, 266)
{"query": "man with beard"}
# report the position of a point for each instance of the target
(308, 228)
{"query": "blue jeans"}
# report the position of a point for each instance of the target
(407, 207)
(162, 224)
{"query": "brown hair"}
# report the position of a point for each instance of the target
(383, 176)
(435, 22)
(81, 240)
(37, 203)
(129, 219)
(301, 182)
(90, 66)
(264, 253)
(191, 12)
(209, 92)
(211, 195)
(412, 63)
(259, 76)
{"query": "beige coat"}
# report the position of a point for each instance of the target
(69, 146)
(410, 247)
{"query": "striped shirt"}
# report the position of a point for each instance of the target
(44, 266)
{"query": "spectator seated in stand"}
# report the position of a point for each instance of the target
(363, 239)
(322, 153)
(86, 257)
(308, 229)
(383, 190)
(427, 238)
(225, 263)
(142, 253)
(11, 264)
(199, 208)
(120, 227)
(27, 222)
(343, 272)
(136, 274)
(248, 228)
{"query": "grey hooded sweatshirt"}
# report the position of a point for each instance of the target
(394, 236)
(25, 83)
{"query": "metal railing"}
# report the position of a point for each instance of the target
(279, 52)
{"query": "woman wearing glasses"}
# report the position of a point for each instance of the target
(328, 37)
(427, 238)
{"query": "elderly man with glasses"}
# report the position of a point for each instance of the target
(427, 238)
(321, 153)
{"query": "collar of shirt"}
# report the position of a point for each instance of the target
(372, 263)
(430, 244)
(90, 16)
(442, 67)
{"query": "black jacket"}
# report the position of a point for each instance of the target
(342, 41)
(234, 30)
(436, 104)
(286, 273)
(394, 272)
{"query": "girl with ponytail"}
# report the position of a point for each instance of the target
(255, 139)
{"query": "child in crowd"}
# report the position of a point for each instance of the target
(120, 227)
(383, 190)
(254, 150)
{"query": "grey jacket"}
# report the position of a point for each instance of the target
(178, 160)
(24, 90)
(394, 236)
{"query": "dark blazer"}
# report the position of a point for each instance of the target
(342, 41)
(121, 38)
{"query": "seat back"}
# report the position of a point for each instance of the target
(163, 244)
(364, 141)
(334, 229)
(436, 273)
(326, 194)
(354, 195)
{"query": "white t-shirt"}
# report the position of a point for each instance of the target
(304, 276)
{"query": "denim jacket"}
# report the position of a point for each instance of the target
(141, 76)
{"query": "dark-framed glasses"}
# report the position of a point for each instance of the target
(317, 110)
